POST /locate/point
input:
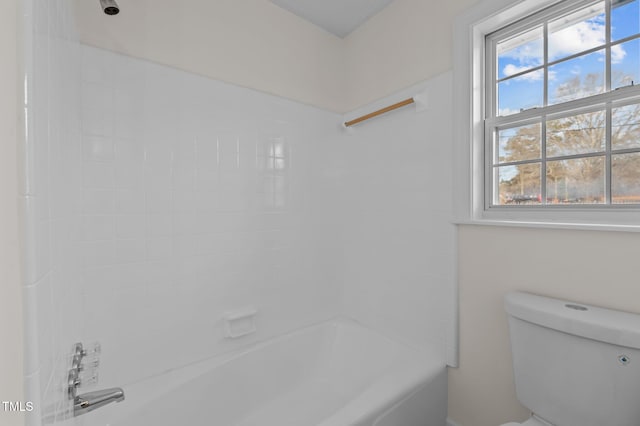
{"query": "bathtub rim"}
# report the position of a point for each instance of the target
(422, 365)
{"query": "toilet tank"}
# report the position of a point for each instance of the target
(575, 365)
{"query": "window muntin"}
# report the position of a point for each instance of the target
(558, 131)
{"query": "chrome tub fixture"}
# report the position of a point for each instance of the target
(91, 400)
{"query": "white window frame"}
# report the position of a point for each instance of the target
(470, 168)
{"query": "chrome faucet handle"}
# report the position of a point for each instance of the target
(76, 363)
(91, 375)
(78, 350)
(78, 353)
(73, 381)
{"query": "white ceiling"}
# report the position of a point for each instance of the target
(339, 17)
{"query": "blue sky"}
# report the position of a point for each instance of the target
(526, 91)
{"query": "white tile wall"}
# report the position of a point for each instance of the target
(395, 200)
(185, 216)
(51, 183)
(156, 200)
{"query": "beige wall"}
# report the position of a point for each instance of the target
(592, 267)
(409, 41)
(10, 296)
(251, 43)
(255, 44)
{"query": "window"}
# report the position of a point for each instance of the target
(563, 113)
(555, 111)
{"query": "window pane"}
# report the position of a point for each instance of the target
(625, 127)
(625, 64)
(586, 158)
(625, 179)
(518, 184)
(577, 32)
(576, 181)
(520, 93)
(519, 143)
(577, 78)
(520, 53)
(625, 18)
(577, 134)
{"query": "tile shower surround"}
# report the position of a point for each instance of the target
(194, 203)
(48, 176)
(155, 200)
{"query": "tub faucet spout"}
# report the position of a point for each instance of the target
(90, 401)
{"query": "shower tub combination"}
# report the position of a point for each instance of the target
(336, 373)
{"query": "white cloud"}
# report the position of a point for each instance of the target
(617, 54)
(529, 54)
(576, 38)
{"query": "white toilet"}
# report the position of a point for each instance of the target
(574, 365)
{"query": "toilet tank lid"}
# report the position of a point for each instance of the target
(592, 322)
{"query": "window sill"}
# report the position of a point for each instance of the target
(550, 225)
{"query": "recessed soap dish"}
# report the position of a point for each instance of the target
(239, 323)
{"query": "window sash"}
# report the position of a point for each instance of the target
(600, 102)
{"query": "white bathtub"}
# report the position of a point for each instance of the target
(336, 373)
